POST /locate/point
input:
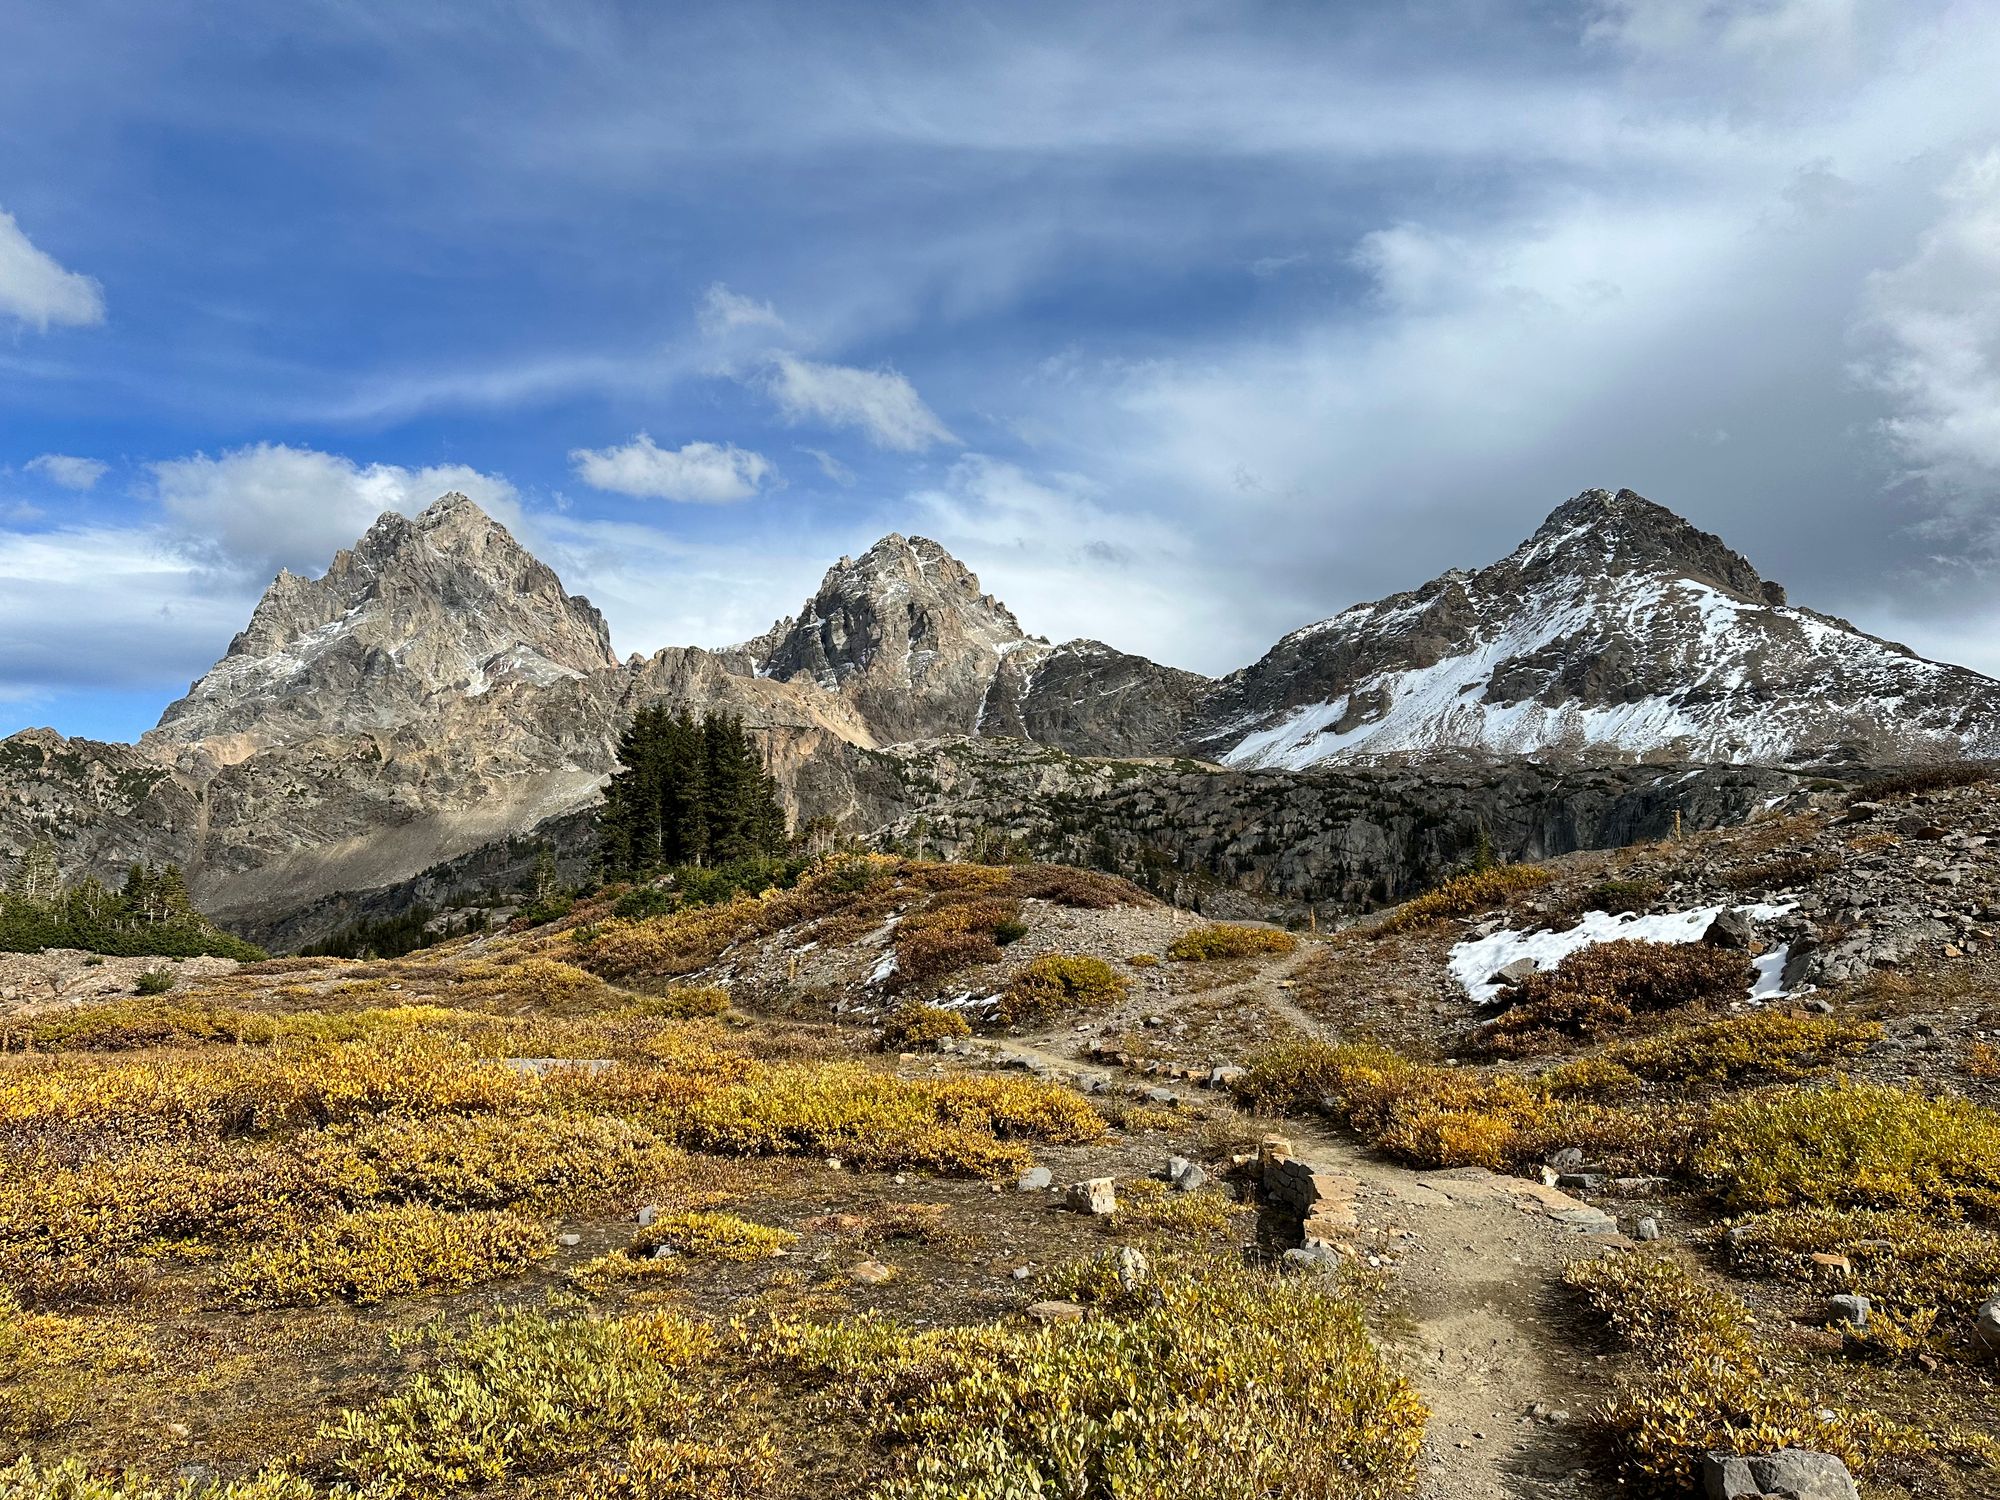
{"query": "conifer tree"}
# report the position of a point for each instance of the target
(687, 791)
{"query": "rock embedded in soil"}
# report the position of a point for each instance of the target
(1097, 1196)
(1796, 1472)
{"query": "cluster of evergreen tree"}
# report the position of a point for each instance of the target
(688, 791)
(392, 937)
(153, 914)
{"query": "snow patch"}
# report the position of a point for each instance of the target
(1474, 962)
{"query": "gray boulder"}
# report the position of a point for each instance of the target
(1849, 1308)
(1986, 1327)
(1730, 929)
(1798, 1473)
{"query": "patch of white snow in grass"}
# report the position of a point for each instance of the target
(1473, 963)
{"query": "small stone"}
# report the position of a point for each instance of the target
(1035, 1179)
(569, 1241)
(1022, 1273)
(1310, 1258)
(871, 1273)
(1831, 1261)
(1095, 1195)
(1986, 1327)
(1730, 929)
(1223, 1076)
(646, 1215)
(1515, 972)
(1567, 1159)
(1850, 1308)
(1185, 1175)
(1647, 1228)
(1130, 1266)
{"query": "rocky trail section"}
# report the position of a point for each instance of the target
(1472, 1262)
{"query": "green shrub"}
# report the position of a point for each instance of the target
(1056, 984)
(154, 982)
(1228, 940)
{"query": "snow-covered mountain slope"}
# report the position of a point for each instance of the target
(1616, 631)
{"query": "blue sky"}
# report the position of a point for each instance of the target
(1183, 324)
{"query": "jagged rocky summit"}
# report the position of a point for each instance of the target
(438, 690)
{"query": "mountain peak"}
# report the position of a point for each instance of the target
(446, 602)
(1615, 533)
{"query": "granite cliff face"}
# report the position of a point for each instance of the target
(437, 692)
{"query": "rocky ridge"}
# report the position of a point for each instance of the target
(438, 690)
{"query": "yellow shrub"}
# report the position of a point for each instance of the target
(1923, 1275)
(919, 1025)
(1856, 1144)
(1704, 1386)
(712, 1236)
(1228, 940)
(1761, 1045)
(1183, 1396)
(1150, 1208)
(50, 1365)
(527, 1394)
(1465, 894)
(1058, 983)
(375, 1254)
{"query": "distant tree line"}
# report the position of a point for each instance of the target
(152, 914)
(688, 791)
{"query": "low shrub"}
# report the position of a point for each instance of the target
(72, 1479)
(1860, 1145)
(1057, 984)
(684, 1002)
(1151, 1210)
(1179, 1396)
(1597, 991)
(526, 1394)
(1781, 871)
(953, 931)
(1924, 1276)
(1463, 895)
(711, 1236)
(1066, 885)
(1228, 940)
(154, 982)
(51, 1365)
(1935, 778)
(1758, 1047)
(1703, 1384)
(916, 1024)
(374, 1254)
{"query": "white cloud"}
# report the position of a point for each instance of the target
(1069, 566)
(703, 473)
(882, 403)
(833, 468)
(271, 506)
(106, 607)
(1936, 322)
(722, 312)
(1754, 28)
(70, 472)
(34, 289)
